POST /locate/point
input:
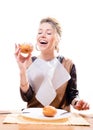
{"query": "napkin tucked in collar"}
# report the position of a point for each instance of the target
(45, 77)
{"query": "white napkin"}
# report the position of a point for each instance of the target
(60, 75)
(57, 73)
(45, 77)
(46, 93)
(36, 73)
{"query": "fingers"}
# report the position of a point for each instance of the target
(85, 106)
(82, 105)
(16, 50)
(15, 46)
(29, 56)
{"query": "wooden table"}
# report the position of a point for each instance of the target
(43, 127)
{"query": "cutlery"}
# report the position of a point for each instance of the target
(64, 113)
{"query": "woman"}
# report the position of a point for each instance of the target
(48, 38)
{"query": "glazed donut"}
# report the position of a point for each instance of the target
(49, 111)
(26, 48)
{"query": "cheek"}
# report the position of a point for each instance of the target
(52, 42)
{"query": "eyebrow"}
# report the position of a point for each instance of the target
(46, 29)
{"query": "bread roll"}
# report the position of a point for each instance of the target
(49, 111)
(26, 48)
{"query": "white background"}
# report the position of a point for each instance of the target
(19, 21)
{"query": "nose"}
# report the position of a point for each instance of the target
(43, 34)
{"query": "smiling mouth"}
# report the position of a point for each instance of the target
(43, 42)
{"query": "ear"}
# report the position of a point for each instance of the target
(57, 48)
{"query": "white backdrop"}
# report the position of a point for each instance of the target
(19, 21)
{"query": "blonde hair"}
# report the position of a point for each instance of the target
(55, 24)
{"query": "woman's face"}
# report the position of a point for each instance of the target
(46, 37)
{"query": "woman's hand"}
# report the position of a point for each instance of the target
(23, 62)
(81, 105)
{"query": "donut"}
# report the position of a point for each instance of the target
(26, 48)
(49, 111)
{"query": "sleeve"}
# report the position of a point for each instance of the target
(71, 91)
(28, 95)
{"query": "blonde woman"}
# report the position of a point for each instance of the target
(48, 39)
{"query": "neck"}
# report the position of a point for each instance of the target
(46, 56)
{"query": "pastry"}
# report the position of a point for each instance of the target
(49, 111)
(26, 48)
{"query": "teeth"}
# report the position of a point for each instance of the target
(43, 42)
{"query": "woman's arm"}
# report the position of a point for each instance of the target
(25, 89)
(28, 95)
(71, 91)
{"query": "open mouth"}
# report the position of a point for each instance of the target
(43, 42)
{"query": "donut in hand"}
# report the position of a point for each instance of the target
(25, 49)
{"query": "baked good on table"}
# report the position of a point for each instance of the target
(49, 111)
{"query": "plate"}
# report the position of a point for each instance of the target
(37, 113)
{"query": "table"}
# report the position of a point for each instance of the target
(44, 126)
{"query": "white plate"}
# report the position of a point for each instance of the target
(37, 113)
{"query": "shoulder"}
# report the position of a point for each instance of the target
(66, 62)
(63, 59)
(33, 58)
